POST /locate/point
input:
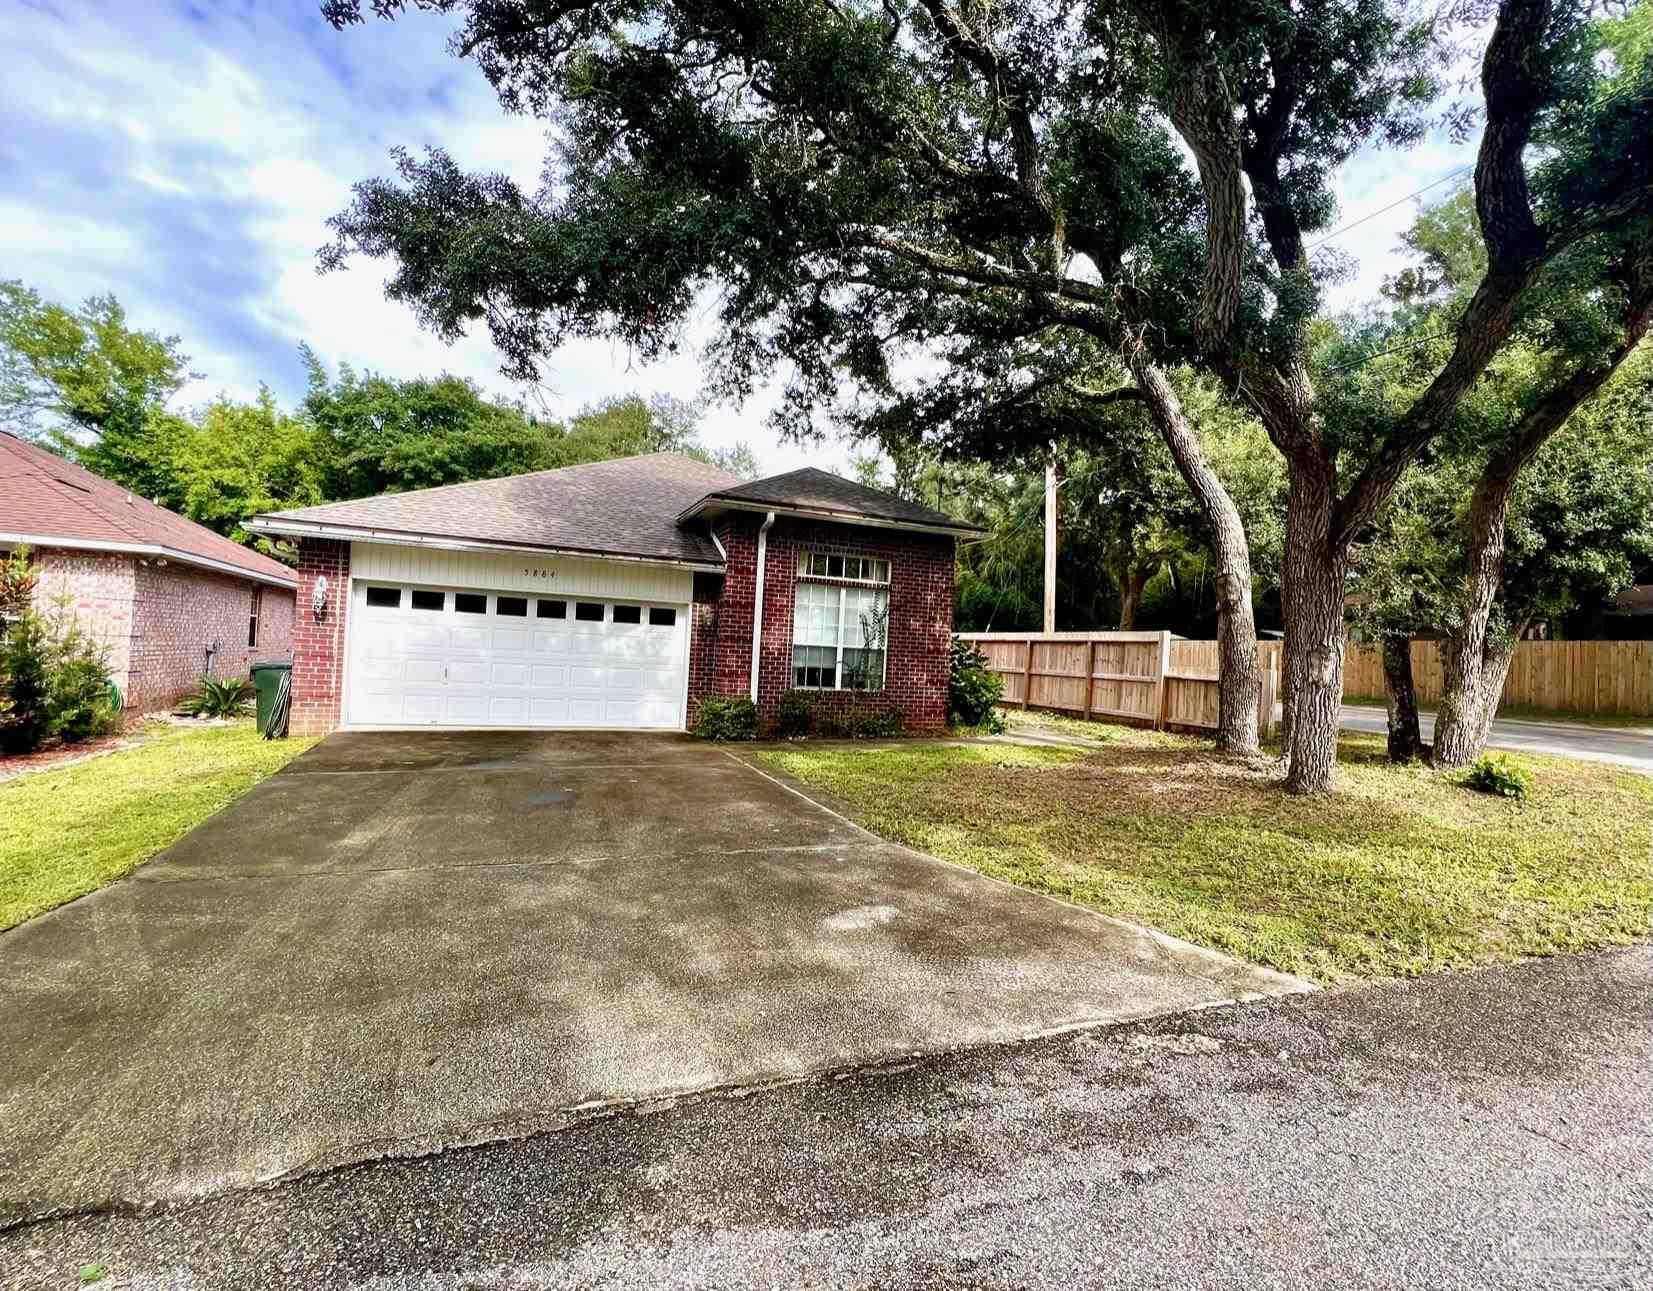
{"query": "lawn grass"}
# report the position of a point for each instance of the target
(1401, 871)
(67, 832)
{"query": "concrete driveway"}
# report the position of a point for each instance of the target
(407, 942)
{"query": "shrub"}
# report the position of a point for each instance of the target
(862, 723)
(219, 697)
(726, 719)
(18, 577)
(80, 702)
(973, 690)
(797, 714)
(876, 723)
(25, 684)
(1495, 773)
(53, 681)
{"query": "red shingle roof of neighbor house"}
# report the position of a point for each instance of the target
(630, 506)
(817, 492)
(47, 501)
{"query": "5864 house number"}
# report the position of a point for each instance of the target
(539, 573)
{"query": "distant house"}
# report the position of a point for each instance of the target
(170, 600)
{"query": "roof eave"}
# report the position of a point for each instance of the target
(447, 542)
(157, 550)
(713, 505)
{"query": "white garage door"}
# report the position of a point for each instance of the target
(428, 656)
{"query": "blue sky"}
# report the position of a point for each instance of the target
(185, 155)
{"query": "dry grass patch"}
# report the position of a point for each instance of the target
(1401, 871)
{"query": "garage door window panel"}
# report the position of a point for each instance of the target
(428, 601)
(511, 607)
(551, 609)
(470, 602)
(384, 598)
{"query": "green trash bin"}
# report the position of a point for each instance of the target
(267, 679)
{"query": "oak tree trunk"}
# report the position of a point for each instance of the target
(1401, 698)
(1469, 699)
(1474, 658)
(1312, 580)
(1240, 677)
(1131, 587)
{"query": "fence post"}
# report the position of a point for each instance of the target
(1162, 690)
(1090, 677)
(1027, 676)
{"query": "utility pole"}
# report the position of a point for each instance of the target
(1051, 482)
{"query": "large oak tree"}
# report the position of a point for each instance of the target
(856, 177)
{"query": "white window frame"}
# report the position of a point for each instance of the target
(843, 585)
(806, 569)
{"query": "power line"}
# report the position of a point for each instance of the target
(1383, 210)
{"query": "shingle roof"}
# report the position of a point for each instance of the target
(45, 497)
(810, 489)
(628, 506)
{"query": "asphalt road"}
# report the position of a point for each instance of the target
(1484, 1129)
(1627, 746)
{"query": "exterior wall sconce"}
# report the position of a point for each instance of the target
(318, 598)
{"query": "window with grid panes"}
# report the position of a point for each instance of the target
(837, 641)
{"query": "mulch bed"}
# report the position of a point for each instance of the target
(52, 753)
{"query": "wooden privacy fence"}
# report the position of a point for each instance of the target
(1152, 677)
(1611, 678)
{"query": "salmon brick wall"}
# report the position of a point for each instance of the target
(920, 626)
(181, 610)
(155, 618)
(318, 647)
(96, 588)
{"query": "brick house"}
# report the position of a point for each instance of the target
(168, 599)
(618, 594)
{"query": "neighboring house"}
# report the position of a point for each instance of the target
(168, 599)
(618, 594)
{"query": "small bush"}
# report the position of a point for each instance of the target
(1496, 774)
(25, 685)
(726, 719)
(219, 697)
(862, 723)
(973, 691)
(797, 714)
(80, 703)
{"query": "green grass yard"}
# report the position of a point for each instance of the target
(69, 831)
(1402, 871)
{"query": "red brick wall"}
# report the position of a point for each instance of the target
(155, 620)
(920, 628)
(179, 611)
(318, 648)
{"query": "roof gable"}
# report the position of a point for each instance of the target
(47, 499)
(810, 489)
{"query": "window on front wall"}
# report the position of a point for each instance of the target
(252, 617)
(853, 569)
(840, 634)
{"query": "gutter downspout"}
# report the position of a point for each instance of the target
(757, 599)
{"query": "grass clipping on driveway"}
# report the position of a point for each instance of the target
(67, 832)
(1401, 871)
